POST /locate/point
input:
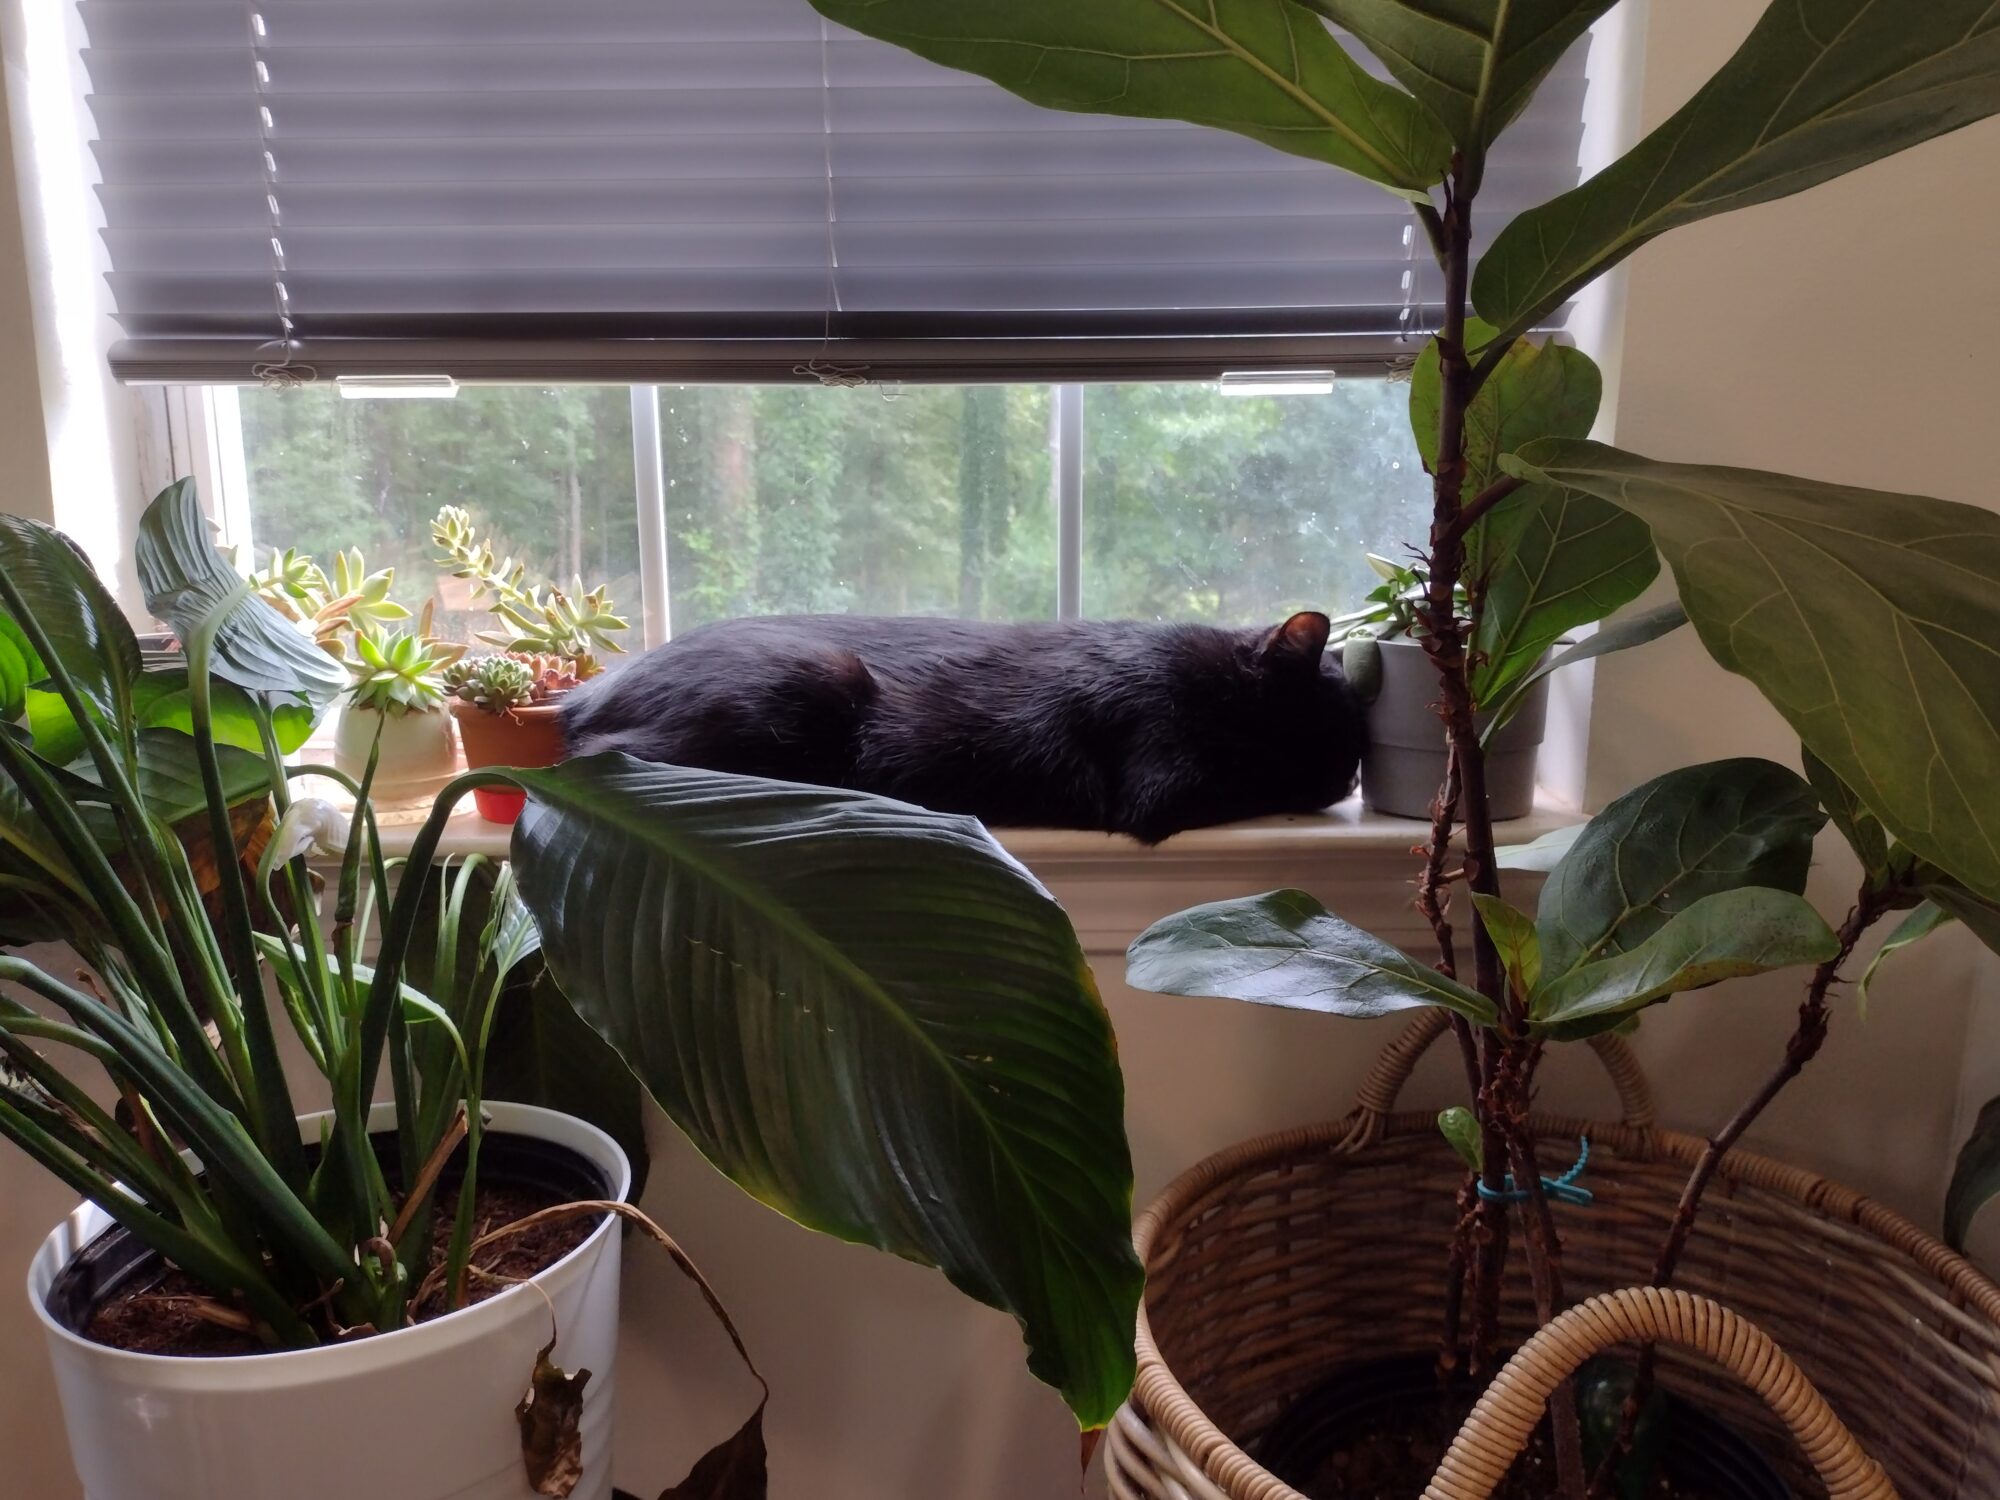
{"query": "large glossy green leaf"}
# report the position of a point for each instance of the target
(869, 1016)
(189, 585)
(88, 634)
(1268, 69)
(1870, 620)
(1724, 936)
(1975, 1178)
(1668, 844)
(1819, 88)
(1545, 559)
(1284, 948)
(160, 700)
(1567, 559)
(19, 666)
(1474, 62)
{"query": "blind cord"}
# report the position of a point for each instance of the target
(284, 372)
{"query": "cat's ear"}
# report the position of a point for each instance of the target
(1298, 642)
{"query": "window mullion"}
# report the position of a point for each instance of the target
(1069, 501)
(649, 485)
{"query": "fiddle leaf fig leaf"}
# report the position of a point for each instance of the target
(1980, 916)
(1545, 560)
(1819, 88)
(1268, 69)
(867, 1015)
(1747, 930)
(1918, 923)
(1284, 948)
(1871, 621)
(1475, 63)
(1666, 845)
(1460, 1128)
(1975, 1178)
(1860, 827)
(1513, 934)
(1544, 854)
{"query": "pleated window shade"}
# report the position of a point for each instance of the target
(695, 189)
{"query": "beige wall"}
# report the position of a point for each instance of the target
(24, 443)
(1833, 335)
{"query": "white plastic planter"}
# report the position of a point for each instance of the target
(419, 750)
(425, 1413)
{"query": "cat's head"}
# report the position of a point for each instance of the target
(1264, 723)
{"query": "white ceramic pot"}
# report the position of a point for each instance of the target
(419, 750)
(425, 1413)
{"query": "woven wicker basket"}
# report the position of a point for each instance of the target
(1277, 1262)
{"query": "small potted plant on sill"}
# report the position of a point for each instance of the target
(395, 712)
(291, 1281)
(508, 714)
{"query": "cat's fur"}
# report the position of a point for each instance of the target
(1132, 728)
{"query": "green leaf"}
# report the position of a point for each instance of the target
(1871, 621)
(1975, 1178)
(1545, 560)
(1619, 635)
(161, 699)
(1819, 88)
(1475, 63)
(1860, 827)
(1732, 933)
(189, 585)
(1460, 1128)
(866, 1014)
(1559, 559)
(84, 626)
(1918, 923)
(1268, 69)
(1664, 846)
(1513, 934)
(19, 666)
(1981, 917)
(1284, 948)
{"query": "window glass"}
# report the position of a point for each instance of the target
(928, 500)
(1199, 505)
(545, 470)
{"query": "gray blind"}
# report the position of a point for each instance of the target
(668, 189)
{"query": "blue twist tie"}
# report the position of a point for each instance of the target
(1561, 1189)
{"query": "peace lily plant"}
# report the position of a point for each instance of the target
(1869, 620)
(866, 1014)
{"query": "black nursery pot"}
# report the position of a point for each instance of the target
(1401, 1393)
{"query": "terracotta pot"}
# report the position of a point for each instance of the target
(530, 736)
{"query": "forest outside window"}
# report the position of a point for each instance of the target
(1189, 503)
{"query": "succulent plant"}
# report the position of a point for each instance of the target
(553, 675)
(399, 673)
(574, 624)
(492, 683)
(353, 602)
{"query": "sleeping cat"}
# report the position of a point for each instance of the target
(1131, 728)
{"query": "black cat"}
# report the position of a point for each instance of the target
(1131, 728)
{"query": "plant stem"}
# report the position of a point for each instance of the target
(1803, 1046)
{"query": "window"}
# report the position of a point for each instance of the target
(1192, 503)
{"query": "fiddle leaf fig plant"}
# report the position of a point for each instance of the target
(1868, 620)
(780, 954)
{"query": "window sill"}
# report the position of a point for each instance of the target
(1360, 864)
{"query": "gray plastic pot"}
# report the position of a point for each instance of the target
(1405, 761)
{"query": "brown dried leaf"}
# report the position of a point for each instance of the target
(733, 1469)
(551, 1435)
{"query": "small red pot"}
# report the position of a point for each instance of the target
(524, 737)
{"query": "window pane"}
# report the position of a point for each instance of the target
(1204, 506)
(866, 500)
(545, 470)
